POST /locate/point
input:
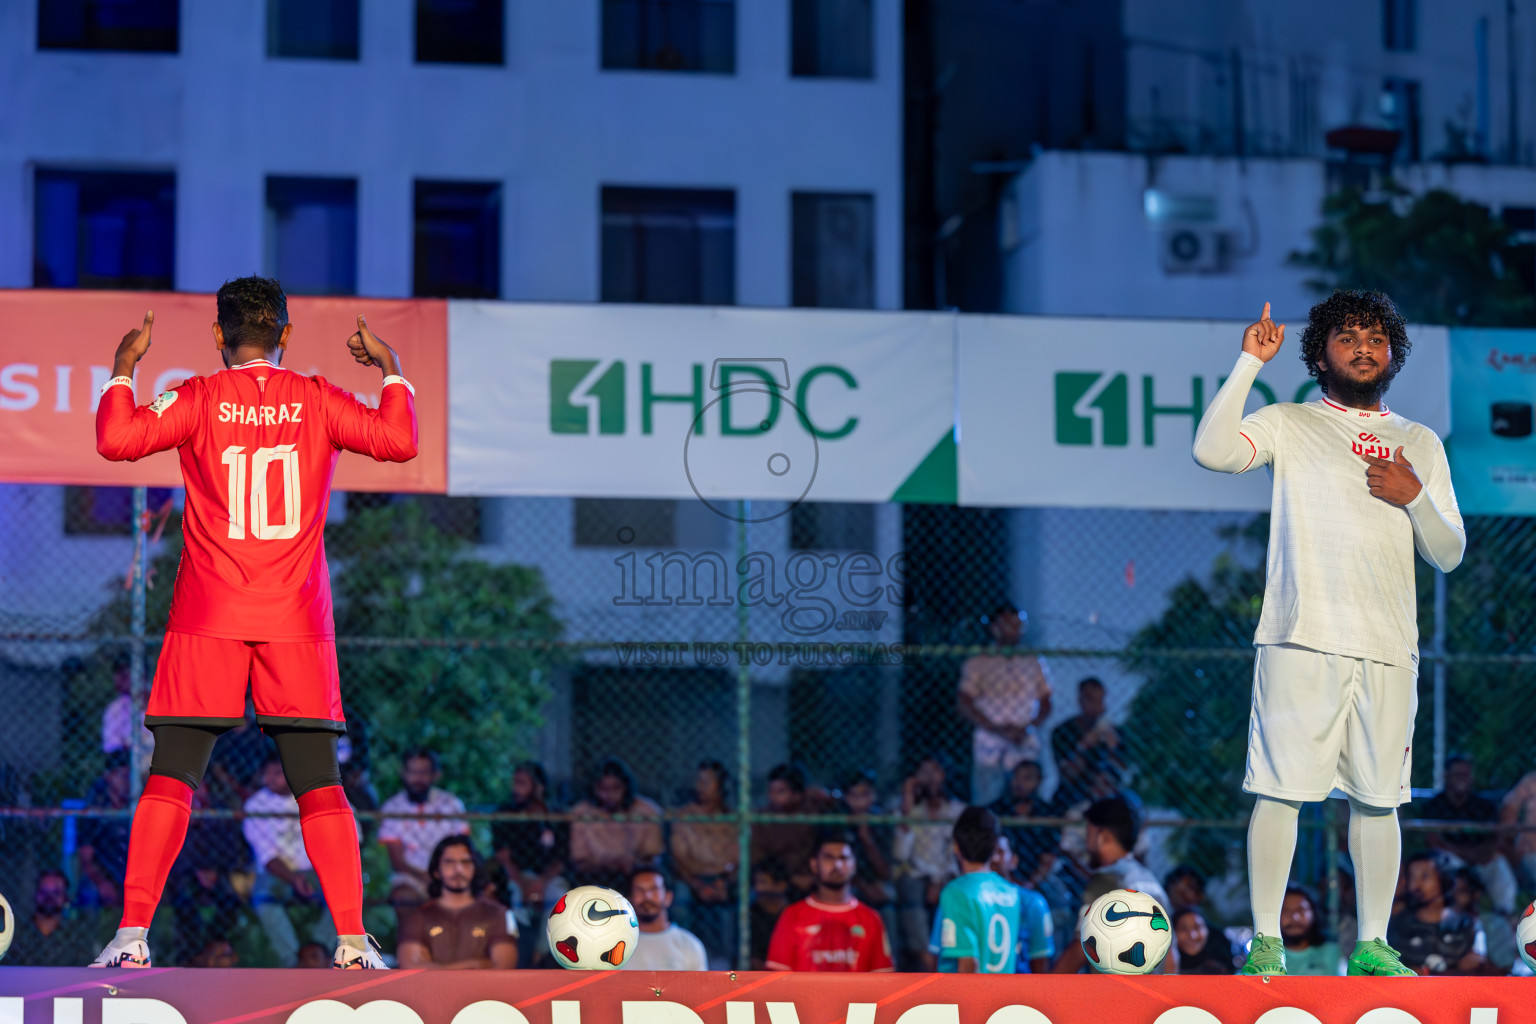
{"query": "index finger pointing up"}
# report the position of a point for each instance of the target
(1266, 312)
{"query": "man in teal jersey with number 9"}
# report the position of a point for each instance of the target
(978, 922)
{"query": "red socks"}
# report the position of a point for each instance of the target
(330, 839)
(159, 828)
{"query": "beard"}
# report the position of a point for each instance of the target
(1354, 393)
(456, 888)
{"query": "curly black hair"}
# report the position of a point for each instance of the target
(252, 310)
(1353, 309)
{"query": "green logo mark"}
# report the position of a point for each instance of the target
(1092, 403)
(606, 392)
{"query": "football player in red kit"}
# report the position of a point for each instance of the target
(252, 602)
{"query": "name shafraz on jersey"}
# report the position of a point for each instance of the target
(1340, 576)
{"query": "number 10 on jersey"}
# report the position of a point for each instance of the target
(258, 462)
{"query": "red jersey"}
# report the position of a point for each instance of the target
(815, 936)
(258, 446)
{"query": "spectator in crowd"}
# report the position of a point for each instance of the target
(663, 946)
(1005, 696)
(408, 835)
(216, 952)
(313, 955)
(873, 849)
(284, 876)
(1519, 808)
(1194, 952)
(103, 849)
(770, 895)
(53, 936)
(830, 930)
(1035, 846)
(1113, 827)
(1307, 949)
(791, 845)
(235, 765)
(1434, 937)
(1085, 745)
(979, 925)
(605, 852)
(924, 855)
(201, 896)
(531, 853)
(1465, 847)
(1186, 891)
(456, 929)
(1468, 897)
(704, 855)
(357, 784)
(119, 717)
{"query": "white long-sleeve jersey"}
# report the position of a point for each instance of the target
(1340, 570)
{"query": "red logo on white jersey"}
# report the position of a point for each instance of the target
(1371, 446)
(1371, 438)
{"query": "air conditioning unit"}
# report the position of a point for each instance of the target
(1192, 249)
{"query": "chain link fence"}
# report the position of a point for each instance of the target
(606, 683)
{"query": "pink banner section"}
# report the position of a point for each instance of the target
(188, 996)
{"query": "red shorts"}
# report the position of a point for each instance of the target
(202, 680)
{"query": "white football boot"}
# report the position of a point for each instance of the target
(350, 958)
(128, 948)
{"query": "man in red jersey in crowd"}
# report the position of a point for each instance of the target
(830, 930)
(252, 603)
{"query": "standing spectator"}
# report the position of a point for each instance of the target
(1433, 937)
(1085, 745)
(770, 895)
(1464, 847)
(1005, 696)
(1035, 847)
(1193, 949)
(830, 930)
(408, 836)
(873, 849)
(604, 852)
(313, 955)
(1113, 826)
(103, 849)
(532, 853)
(663, 946)
(789, 844)
(119, 716)
(284, 875)
(925, 859)
(52, 936)
(1307, 949)
(704, 855)
(456, 929)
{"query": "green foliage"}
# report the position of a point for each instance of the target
(1443, 260)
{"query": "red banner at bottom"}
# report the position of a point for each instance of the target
(31, 995)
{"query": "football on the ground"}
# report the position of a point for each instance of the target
(7, 926)
(1126, 932)
(592, 929)
(1525, 936)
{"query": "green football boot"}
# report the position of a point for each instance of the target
(1265, 956)
(1375, 957)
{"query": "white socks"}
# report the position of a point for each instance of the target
(1271, 846)
(1376, 847)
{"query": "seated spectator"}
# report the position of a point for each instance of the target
(663, 946)
(704, 855)
(234, 769)
(285, 879)
(52, 936)
(605, 852)
(118, 718)
(216, 952)
(1307, 949)
(201, 896)
(1113, 827)
(770, 895)
(1035, 847)
(1519, 808)
(873, 848)
(789, 844)
(456, 928)
(1432, 936)
(924, 856)
(408, 836)
(1468, 897)
(357, 784)
(1464, 847)
(1005, 696)
(1186, 891)
(1197, 947)
(313, 955)
(830, 930)
(1085, 745)
(531, 853)
(103, 844)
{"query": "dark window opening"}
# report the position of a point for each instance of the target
(140, 26)
(670, 35)
(669, 245)
(103, 229)
(326, 29)
(832, 526)
(312, 235)
(832, 39)
(833, 250)
(1399, 28)
(458, 240)
(625, 523)
(460, 32)
(106, 511)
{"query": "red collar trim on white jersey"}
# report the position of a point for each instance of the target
(1364, 414)
(257, 362)
(833, 908)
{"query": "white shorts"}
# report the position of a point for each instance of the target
(1326, 722)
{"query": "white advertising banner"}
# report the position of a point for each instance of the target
(675, 402)
(1098, 413)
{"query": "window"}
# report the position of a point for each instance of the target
(670, 35)
(832, 39)
(98, 511)
(669, 245)
(460, 32)
(458, 239)
(101, 229)
(461, 518)
(1399, 29)
(144, 26)
(833, 250)
(625, 523)
(1400, 111)
(312, 28)
(832, 526)
(312, 235)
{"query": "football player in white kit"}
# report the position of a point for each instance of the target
(1356, 489)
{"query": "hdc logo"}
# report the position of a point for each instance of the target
(1096, 407)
